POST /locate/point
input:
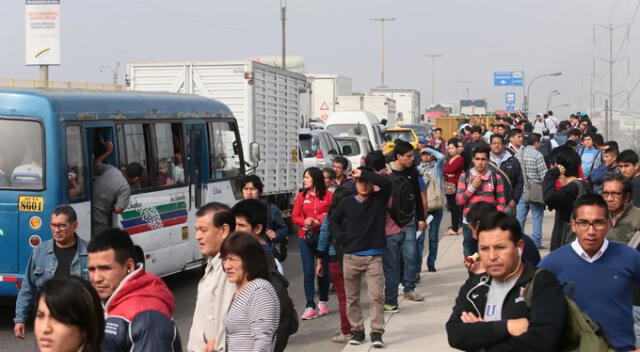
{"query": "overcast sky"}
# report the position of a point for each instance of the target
(475, 37)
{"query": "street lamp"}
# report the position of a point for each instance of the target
(554, 93)
(113, 70)
(526, 97)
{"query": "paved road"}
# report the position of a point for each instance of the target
(314, 335)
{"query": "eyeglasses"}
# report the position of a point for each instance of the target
(58, 226)
(599, 224)
(612, 194)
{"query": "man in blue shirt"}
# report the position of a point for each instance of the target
(590, 155)
(602, 271)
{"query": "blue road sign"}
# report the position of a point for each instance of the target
(511, 107)
(512, 78)
(510, 98)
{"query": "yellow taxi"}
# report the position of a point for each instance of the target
(405, 134)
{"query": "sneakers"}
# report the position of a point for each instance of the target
(309, 313)
(323, 308)
(341, 338)
(432, 269)
(376, 340)
(357, 337)
(413, 296)
(391, 308)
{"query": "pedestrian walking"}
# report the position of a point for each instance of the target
(309, 209)
(431, 166)
(601, 271)
(629, 165)
(358, 225)
(504, 162)
(479, 184)
(214, 223)
(138, 305)
(332, 253)
(63, 255)
(452, 170)
(534, 169)
(69, 316)
(252, 320)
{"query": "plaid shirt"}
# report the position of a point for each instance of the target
(533, 165)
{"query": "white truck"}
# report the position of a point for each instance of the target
(407, 103)
(325, 89)
(265, 100)
(384, 108)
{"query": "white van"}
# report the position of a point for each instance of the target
(357, 123)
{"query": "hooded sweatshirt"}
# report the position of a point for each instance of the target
(139, 316)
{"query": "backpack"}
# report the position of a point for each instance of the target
(403, 200)
(581, 333)
(288, 324)
(435, 196)
(280, 246)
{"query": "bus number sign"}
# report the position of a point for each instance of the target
(30, 203)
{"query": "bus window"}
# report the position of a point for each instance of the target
(133, 148)
(21, 154)
(222, 141)
(75, 164)
(169, 171)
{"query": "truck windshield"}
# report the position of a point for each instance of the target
(21, 154)
(356, 130)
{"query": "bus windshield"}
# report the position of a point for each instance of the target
(21, 154)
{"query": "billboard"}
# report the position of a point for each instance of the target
(42, 32)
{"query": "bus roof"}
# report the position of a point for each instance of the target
(92, 105)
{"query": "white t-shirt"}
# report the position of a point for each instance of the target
(497, 293)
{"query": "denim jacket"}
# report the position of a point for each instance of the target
(41, 267)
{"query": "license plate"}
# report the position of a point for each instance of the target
(30, 203)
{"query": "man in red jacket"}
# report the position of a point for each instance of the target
(138, 305)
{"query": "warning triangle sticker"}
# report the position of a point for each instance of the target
(324, 106)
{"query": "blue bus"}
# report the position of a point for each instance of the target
(189, 147)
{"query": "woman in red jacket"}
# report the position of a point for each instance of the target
(309, 208)
(452, 170)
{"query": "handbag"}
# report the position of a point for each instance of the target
(534, 190)
(311, 238)
(435, 196)
(449, 188)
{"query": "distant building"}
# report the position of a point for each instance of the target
(473, 107)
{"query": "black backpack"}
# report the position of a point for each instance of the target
(403, 200)
(288, 324)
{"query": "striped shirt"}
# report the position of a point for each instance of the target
(490, 191)
(253, 318)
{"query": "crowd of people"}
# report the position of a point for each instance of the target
(371, 222)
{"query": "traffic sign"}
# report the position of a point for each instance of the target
(511, 107)
(510, 98)
(511, 78)
(324, 106)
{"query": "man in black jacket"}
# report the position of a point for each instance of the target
(505, 163)
(358, 226)
(490, 312)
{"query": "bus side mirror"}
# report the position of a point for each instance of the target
(254, 152)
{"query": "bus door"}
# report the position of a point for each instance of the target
(96, 137)
(196, 150)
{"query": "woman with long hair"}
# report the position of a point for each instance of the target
(252, 319)
(333, 255)
(452, 170)
(309, 209)
(69, 316)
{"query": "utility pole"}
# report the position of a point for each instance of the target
(608, 116)
(283, 18)
(114, 71)
(382, 20)
(466, 88)
(433, 75)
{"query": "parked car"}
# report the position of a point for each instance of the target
(317, 148)
(406, 134)
(354, 148)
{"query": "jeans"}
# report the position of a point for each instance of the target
(469, 244)
(409, 258)
(434, 228)
(309, 270)
(537, 212)
(456, 212)
(636, 324)
(391, 265)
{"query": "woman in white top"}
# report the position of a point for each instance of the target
(253, 317)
